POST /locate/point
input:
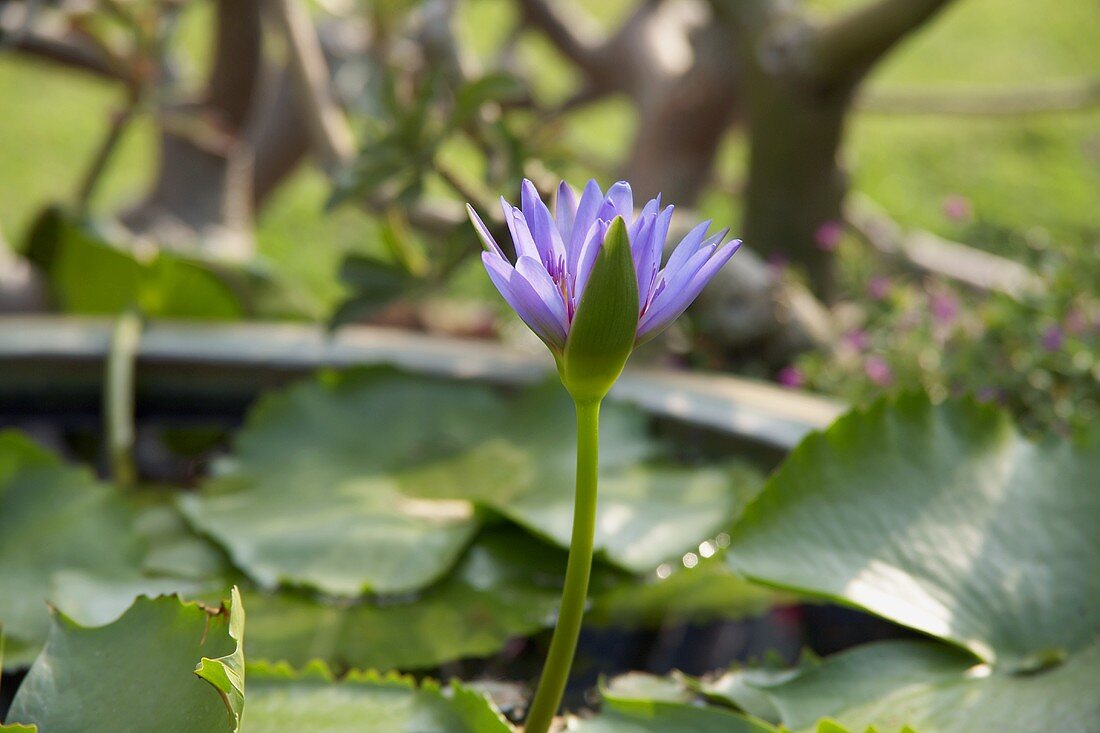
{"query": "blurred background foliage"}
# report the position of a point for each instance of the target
(980, 126)
(916, 182)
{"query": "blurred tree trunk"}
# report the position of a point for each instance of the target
(792, 82)
(795, 183)
(203, 189)
(278, 136)
(683, 117)
(799, 81)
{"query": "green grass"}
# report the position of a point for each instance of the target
(1037, 174)
(53, 122)
(51, 134)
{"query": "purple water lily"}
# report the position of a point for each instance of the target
(555, 255)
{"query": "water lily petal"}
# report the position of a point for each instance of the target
(618, 202)
(535, 273)
(671, 283)
(557, 252)
(543, 229)
(589, 205)
(589, 251)
(483, 232)
(521, 236)
(506, 209)
(527, 304)
(688, 246)
(683, 295)
(641, 244)
(650, 263)
(565, 211)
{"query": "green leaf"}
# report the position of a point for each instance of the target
(377, 481)
(944, 519)
(492, 87)
(831, 726)
(311, 497)
(88, 275)
(375, 285)
(634, 686)
(746, 688)
(92, 600)
(648, 716)
(648, 513)
(935, 688)
(226, 673)
(707, 592)
(947, 520)
(602, 333)
(175, 551)
(507, 585)
(139, 673)
(283, 701)
(53, 519)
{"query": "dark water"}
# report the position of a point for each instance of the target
(695, 649)
(9, 682)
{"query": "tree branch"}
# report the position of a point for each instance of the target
(925, 252)
(846, 47)
(440, 216)
(330, 135)
(277, 134)
(119, 124)
(570, 37)
(233, 78)
(1063, 97)
(68, 50)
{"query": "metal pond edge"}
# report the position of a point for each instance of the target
(41, 349)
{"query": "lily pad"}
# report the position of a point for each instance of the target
(311, 499)
(944, 519)
(376, 482)
(634, 686)
(660, 716)
(706, 592)
(640, 703)
(53, 518)
(283, 701)
(507, 585)
(935, 688)
(165, 665)
(746, 687)
(650, 511)
(947, 520)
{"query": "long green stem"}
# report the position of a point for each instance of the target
(118, 397)
(564, 643)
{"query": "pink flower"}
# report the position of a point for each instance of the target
(1053, 338)
(990, 394)
(945, 308)
(879, 287)
(778, 262)
(827, 236)
(1076, 321)
(957, 208)
(791, 377)
(878, 371)
(858, 339)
